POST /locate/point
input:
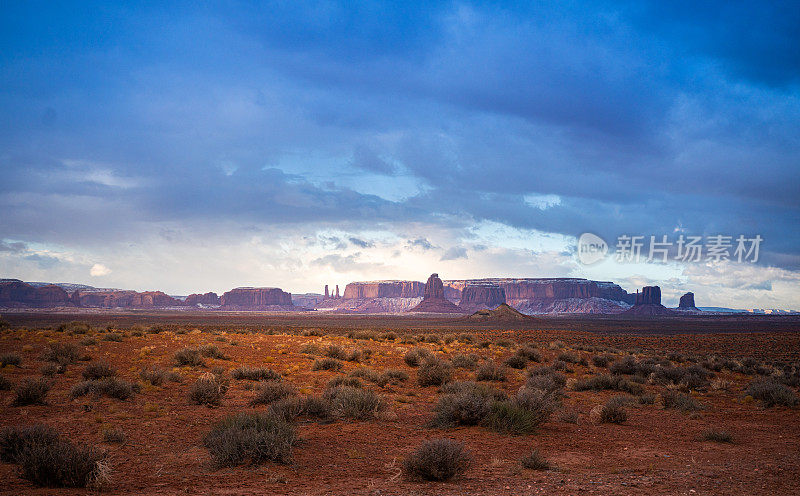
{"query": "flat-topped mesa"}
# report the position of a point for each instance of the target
(383, 289)
(124, 299)
(687, 302)
(650, 295)
(482, 297)
(433, 300)
(247, 298)
(15, 293)
(207, 299)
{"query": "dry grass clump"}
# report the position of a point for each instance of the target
(516, 362)
(434, 372)
(49, 461)
(212, 351)
(415, 355)
(353, 403)
(5, 384)
(462, 361)
(190, 357)
(680, 401)
(771, 393)
(601, 360)
(113, 336)
(336, 352)
(535, 461)
(32, 392)
(114, 435)
(437, 460)
(717, 436)
(607, 382)
(107, 386)
(157, 375)
(613, 412)
(530, 353)
(327, 364)
(209, 389)
(255, 374)
(61, 353)
(490, 371)
(271, 391)
(250, 438)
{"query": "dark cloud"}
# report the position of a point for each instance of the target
(422, 243)
(454, 253)
(361, 243)
(43, 261)
(12, 246)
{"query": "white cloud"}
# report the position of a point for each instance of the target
(99, 270)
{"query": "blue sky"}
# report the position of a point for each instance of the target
(191, 147)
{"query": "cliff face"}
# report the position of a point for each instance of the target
(124, 299)
(433, 300)
(650, 295)
(16, 293)
(648, 304)
(257, 299)
(202, 299)
(383, 289)
(550, 289)
(482, 297)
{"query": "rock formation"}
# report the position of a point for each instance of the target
(327, 294)
(503, 313)
(207, 299)
(17, 294)
(433, 300)
(687, 302)
(648, 304)
(257, 299)
(124, 299)
(481, 297)
(650, 295)
(384, 289)
(337, 292)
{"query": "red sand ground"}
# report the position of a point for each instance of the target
(655, 451)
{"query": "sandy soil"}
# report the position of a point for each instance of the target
(656, 451)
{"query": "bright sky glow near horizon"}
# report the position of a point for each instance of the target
(192, 148)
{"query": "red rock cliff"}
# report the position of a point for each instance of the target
(383, 289)
(256, 299)
(124, 299)
(434, 300)
(19, 294)
(482, 296)
(650, 295)
(202, 299)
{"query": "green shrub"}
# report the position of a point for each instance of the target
(252, 438)
(327, 364)
(771, 393)
(490, 371)
(271, 391)
(535, 461)
(437, 460)
(98, 370)
(32, 392)
(434, 372)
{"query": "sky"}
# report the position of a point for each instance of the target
(201, 146)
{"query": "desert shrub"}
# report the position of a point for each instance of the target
(336, 352)
(62, 464)
(5, 384)
(313, 332)
(154, 375)
(395, 376)
(771, 393)
(540, 403)
(535, 461)
(61, 353)
(189, 357)
(346, 381)
(546, 378)
(88, 342)
(469, 406)
(679, 401)
(608, 383)
(613, 412)
(7, 359)
(107, 386)
(74, 327)
(601, 360)
(271, 391)
(208, 390)
(255, 374)
(388, 336)
(353, 403)
(511, 418)
(212, 351)
(310, 349)
(434, 372)
(113, 336)
(32, 392)
(98, 370)
(114, 435)
(415, 355)
(717, 436)
(461, 361)
(449, 338)
(437, 460)
(489, 371)
(692, 377)
(313, 406)
(287, 408)
(556, 345)
(568, 357)
(15, 439)
(568, 416)
(327, 364)
(466, 338)
(646, 399)
(49, 369)
(251, 438)
(354, 356)
(516, 362)
(530, 353)
(561, 366)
